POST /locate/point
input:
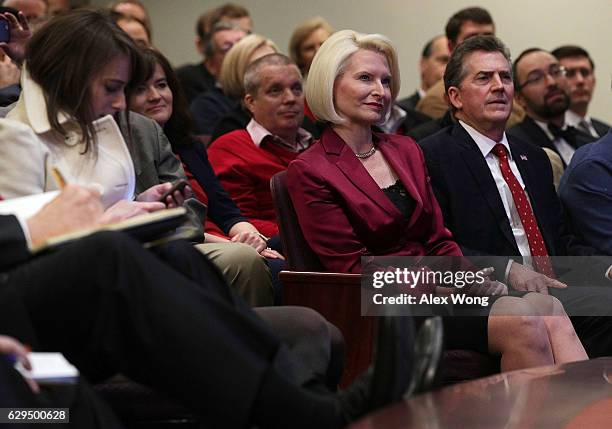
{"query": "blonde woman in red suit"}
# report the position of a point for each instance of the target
(361, 193)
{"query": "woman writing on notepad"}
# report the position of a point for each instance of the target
(73, 81)
(71, 122)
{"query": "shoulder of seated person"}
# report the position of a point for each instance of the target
(13, 126)
(138, 123)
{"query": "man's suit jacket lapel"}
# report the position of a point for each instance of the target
(582, 138)
(477, 165)
(536, 134)
(601, 128)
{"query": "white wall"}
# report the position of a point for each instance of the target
(410, 23)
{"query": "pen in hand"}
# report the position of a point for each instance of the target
(59, 178)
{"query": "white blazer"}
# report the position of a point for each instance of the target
(30, 149)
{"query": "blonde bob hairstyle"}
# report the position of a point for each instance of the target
(236, 61)
(329, 64)
(301, 33)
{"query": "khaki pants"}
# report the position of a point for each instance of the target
(244, 269)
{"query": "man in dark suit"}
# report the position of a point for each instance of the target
(166, 319)
(586, 194)
(580, 74)
(431, 66)
(543, 91)
(496, 191)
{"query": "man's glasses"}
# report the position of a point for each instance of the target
(536, 77)
(584, 72)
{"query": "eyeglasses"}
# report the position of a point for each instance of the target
(584, 72)
(537, 76)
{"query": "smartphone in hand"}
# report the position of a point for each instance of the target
(179, 185)
(5, 30)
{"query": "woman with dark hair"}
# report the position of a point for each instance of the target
(158, 96)
(75, 71)
(72, 118)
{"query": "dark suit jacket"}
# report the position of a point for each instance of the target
(430, 128)
(409, 102)
(344, 214)
(413, 119)
(195, 79)
(601, 127)
(13, 247)
(530, 132)
(586, 194)
(471, 204)
(14, 320)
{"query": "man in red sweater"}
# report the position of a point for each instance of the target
(245, 160)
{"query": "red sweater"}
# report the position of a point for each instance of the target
(245, 171)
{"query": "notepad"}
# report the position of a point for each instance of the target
(49, 368)
(157, 227)
(146, 227)
(26, 207)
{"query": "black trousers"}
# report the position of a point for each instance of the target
(109, 306)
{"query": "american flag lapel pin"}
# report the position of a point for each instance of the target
(523, 157)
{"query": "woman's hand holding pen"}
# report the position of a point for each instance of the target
(75, 208)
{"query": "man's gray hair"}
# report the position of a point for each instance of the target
(252, 78)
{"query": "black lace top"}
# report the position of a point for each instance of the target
(399, 196)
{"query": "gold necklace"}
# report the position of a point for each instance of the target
(364, 155)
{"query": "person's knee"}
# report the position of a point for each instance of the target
(545, 305)
(248, 257)
(522, 333)
(113, 248)
(247, 273)
(557, 307)
(531, 333)
(108, 243)
(310, 323)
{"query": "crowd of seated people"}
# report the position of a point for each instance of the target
(93, 111)
(213, 110)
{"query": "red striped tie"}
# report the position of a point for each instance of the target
(537, 247)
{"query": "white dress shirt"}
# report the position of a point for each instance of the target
(486, 145)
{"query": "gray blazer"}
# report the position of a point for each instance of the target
(155, 163)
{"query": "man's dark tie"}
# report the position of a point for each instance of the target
(568, 134)
(541, 262)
